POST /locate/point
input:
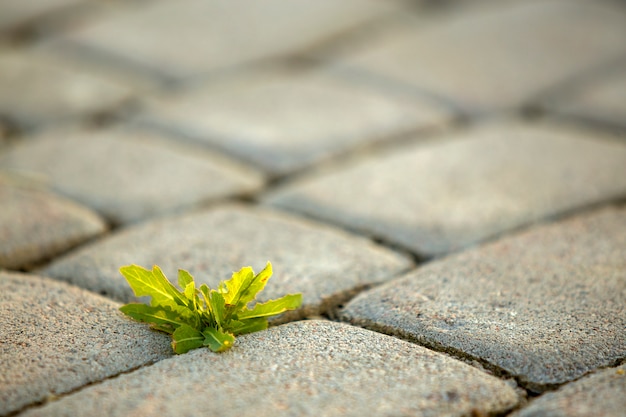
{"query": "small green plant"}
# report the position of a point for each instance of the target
(197, 317)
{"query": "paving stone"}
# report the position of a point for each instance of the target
(601, 99)
(57, 338)
(324, 264)
(312, 116)
(151, 36)
(545, 306)
(601, 394)
(448, 194)
(17, 12)
(37, 87)
(95, 167)
(36, 225)
(308, 368)
(486, 58)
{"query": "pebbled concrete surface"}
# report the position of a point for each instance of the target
(207, 132)
(313, 116)
(307, 368)
(327, 266)
(449, 194)
(600, 394)
(57, 338)
(545, 306)
(36, 225)
(94, 168)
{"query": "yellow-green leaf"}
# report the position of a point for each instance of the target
(256, 286)
(161, 318)
(153, 284)
(216, 340)
(272, 307)
(186, 338)
(247, 326)
(233, 288)
(184, 278)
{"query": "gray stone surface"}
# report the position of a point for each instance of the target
(324, 264)
(545, 306)
(36, 225)
(285, 121)
(444, 195)
(500, 54)
(600, 394)
(151, 36)
(600, 99)
(38, 87)
(310, 368)
(129, 175)
(56, 338)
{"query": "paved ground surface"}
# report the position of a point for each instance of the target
(444, 182)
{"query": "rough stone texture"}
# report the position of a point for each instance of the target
(485, 58)
(601, 99)
(56, 338)
(151, 36)
(324, 264)
(312, 116)
(36, 225)
(445, 195)
(310, 368)
(545, 306)
(95, 167)
(37, 87)
(600, 394)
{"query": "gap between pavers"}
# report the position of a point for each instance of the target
(128, 174)
(36, 225)
(599, 394)
(30, 100)
(486, 59)
(437, 197)
(57, 338)
(545, 306)
(315, 114)
(149, 38)
(326, 265)
(308, 368)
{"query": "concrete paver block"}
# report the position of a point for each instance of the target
(284, 121)
(152, 36)
(37, 87)
(545, 306)
(36, 225)
(57, 338)
(498, 55)
(445, 195)
(309, 368)
(600, 394)
(128, 175)
(324, 264)
(600, 99)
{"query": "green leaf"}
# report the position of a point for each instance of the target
(186, 338)
(160, 318)
(216, 340)
(256, 286)
(191, 295)
(153, 284)
(218, 307)
(233, 288)
(247, 326)
(184, 278)
(272, 307)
